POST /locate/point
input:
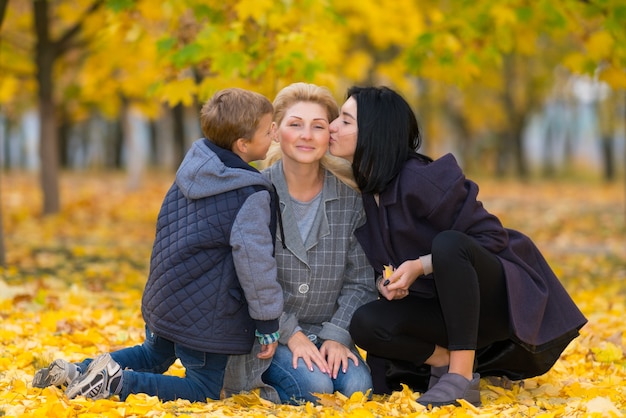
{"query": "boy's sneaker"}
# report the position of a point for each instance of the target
(103, 378)
(58, 373)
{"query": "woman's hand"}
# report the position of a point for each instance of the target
(401, 279)
(302, 347)
(267, 350)
(337, 356)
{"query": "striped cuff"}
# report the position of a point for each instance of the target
(266, 339)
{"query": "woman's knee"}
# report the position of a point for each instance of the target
(356, 379)
(318, 383)
(451, 249)
(447, 242)
(302, 384)
(295, 385)
(363, 328)
(357, 325)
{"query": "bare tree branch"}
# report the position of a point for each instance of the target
(40, 9)
(64, 42)
(3, 9)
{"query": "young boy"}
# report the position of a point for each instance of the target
(212, 279)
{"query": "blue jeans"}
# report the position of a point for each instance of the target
(296, 386)
(145, 364)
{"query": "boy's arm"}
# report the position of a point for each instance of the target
(252, 247)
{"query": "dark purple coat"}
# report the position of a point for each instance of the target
(427, 198)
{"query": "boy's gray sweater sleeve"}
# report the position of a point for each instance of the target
(252, 247)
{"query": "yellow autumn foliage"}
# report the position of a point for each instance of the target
(73, 285)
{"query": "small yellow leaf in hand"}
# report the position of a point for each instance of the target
(388, 271)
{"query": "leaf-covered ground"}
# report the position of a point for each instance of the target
(73, 285)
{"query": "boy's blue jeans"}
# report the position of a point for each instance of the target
(204, 371)
(298, 385)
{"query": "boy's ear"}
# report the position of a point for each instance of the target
(240, 146)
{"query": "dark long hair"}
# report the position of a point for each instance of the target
(388, 135)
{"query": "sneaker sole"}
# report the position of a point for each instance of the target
(94, 368)
(42, 379)
(47, 377)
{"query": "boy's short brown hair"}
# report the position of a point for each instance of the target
(231, 114)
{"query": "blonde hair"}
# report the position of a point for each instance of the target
(306, 92)
(231, 114)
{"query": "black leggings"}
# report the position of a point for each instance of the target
(469, 312)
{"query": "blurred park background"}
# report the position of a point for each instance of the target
(514, 88)
(99, 101)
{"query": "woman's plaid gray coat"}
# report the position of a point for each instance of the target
(324, 279)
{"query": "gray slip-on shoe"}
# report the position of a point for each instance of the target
(435, 374)
(449, 388)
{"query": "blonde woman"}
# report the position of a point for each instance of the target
(322, 269)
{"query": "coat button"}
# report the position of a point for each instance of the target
(303, 288)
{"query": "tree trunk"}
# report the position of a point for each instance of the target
(3, 9)
(607, 149)
(152, 147)
(48, 139)
(116, 147)
(178, 114)
(607, 110)
(503, 153)
(46, 53)
(49, 155)
(514, 133)
(135, 139)
(551, 138)
(3, 259)
(63, 137)
(463, 135)
(520, 157)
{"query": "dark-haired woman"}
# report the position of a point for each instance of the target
(467, 296)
